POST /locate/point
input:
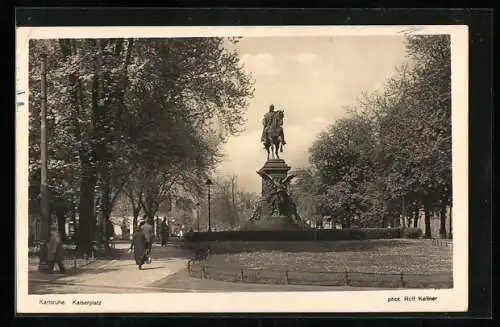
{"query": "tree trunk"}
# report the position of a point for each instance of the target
(416, 217)
(450, 235)
(442, 217)
(396, 221)
(136, 207)
(101, 125)
(104, 204)
(427, 219)
(344, 222)
(150, 206)
(110, 229)
(385, 221)
(348, 222)
(74, 210)
(61, 222)
(86, 210)
(135, 212)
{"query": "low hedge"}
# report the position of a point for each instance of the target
(412, 233)
(306, 235)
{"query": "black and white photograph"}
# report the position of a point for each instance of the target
(231, 169)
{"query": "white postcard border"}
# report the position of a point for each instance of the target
(455, 299)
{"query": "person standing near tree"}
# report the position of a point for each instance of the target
(125, 231)
(164, 232)
(110, 232)
(157, 227)
(55, 251)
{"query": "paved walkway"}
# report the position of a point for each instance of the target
(121, 273)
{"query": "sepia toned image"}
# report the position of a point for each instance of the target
(209, 166)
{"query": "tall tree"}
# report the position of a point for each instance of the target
(114, 103)
(343, 158)
(391, 156)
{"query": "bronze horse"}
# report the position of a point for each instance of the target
(274, 135)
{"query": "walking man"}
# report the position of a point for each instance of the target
(138, 245)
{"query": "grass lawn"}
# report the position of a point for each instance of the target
(368, 263)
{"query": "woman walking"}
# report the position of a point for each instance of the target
(139, 247)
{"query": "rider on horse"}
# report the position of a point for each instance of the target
(267, 122)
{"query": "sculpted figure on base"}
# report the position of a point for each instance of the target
(279, 198)
(272, 132)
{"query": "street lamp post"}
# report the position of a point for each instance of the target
(45, 219)
(198, 217)
(209, 183)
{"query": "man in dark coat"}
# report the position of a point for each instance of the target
(139, 246)
(149, 233)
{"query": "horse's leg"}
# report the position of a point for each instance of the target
(276, 150)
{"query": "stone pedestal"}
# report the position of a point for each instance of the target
(277, 169)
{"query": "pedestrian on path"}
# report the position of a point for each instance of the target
(165, 230)
(149, 233)
(55, 252)
(157, 227)
(139, 246)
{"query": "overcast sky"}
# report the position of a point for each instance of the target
(312, 79)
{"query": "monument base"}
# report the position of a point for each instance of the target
(278, 223)
(274, 171)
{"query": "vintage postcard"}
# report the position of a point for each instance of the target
(242, 169)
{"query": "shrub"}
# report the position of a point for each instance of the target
(382, 233)
(306, 235)
(412, 233)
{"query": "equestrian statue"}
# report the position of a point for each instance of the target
(273, 137)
